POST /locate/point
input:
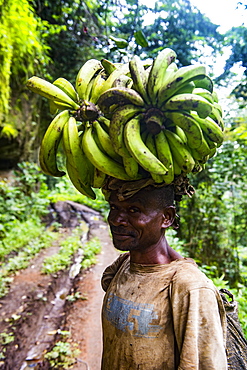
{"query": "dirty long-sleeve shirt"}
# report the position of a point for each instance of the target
(159, 317)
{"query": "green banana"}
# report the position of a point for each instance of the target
(219, 108)
(187, 88)
(50, 91)
(175, 80)
(75, 155)
(189, 102)
(199, 157)
(109, 66)
(139, 78)
(98, 178)
(89, 90)
(116, 130)
(123, 81)
(139, 150)
(180, 151)
(157, 72)
(171, 68)
(204, 93)
(165, 156)
(151, 146)
(53, 108)
(190, 126)
(62, 106)
(84, 76)
(105, 141)
(131, 167)
(215, 96)
(204, 149)
(100, 159)
(105, 123)
(205, 83)
(217, 117)
(119, 96)
(210, 128)
(180, 132)
(176, 168)
(49, 145)
(122, 69)
(212, 152)
(97, 88)
(67, 87)
(76, 181)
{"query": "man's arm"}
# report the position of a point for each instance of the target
(199, 325)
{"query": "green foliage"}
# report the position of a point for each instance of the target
(235, 39)
(213, 221)
(20, 234)
(149, 29)
(182, 27)
(90, 249)
(76, 40)
(68, 248)
(76, 296)
(176, 243)
(6, 338)
(8, 131)
(63, 259)
(25, 244)
(24, 196)
(19, 51)
(63, 355)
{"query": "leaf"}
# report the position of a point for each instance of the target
(120, 43)
(9, 131)
(141, 39)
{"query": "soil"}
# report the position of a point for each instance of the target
(36, 310)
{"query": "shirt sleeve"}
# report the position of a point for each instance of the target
(199, 329)
(111, 271)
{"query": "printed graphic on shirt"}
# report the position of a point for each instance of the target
(139, 318)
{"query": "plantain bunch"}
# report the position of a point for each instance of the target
(130, 121)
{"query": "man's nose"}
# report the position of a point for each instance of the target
(118, 218)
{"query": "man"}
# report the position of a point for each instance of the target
(159, 310)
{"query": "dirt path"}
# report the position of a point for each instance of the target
(36, 308)
(84, 319)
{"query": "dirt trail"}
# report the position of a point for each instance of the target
(29, 311)
(85, 315)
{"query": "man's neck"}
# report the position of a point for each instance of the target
(159, 254)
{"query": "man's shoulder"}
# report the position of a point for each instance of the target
(187, 276)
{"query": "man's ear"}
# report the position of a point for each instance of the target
(168, 216)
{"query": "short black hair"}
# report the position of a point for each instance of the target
(164, 195)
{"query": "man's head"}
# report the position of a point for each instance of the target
(139, 221)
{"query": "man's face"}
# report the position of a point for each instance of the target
(136, 223)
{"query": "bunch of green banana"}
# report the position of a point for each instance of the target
(130, 121)
(177, 107)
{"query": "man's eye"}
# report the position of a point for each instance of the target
(133, 210)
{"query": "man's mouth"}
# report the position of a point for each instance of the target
(121, 236)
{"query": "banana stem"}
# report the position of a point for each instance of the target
(154, 120)
(87, 112)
